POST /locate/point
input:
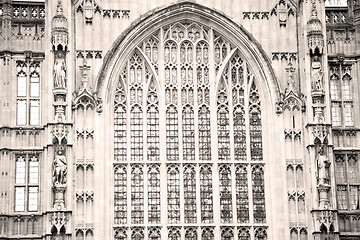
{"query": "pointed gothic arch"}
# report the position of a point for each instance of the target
(139, 30)
(167, 80)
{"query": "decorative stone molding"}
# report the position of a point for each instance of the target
(59, 132)
(59, 220)
(321, 133)
(282, 10)
(89, 54)
(59, 33)
(84, 133)
(256, 15)
(89, 8)
(288, 56)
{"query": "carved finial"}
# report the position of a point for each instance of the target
(59, 8)
(84, 68)
(314, 10)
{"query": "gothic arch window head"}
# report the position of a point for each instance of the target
(172, 85)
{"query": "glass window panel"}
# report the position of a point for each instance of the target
(137, 194)
(347, 89)
(334, 88)
(190, 194)
(34, 112)
(34, 86)
(154, 194)
(21, 112)
(353, 169)
(33, 199)
(242, 194)
(20, 170)
(206, 194)
(120, 194)
(340, 173)
(342, 197)
(21, 85)
(136, 134)
(258, 194)
(33, 170)
(19, 199)
(173, 194)
(348, 115)
(225, 194)
(354, 198)
(336, 114)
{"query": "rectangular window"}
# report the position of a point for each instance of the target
(341, 95)
(33, 199)
(26, 183)
(336, 114)
(21, 112)
(20, 170)
(34, 86)
(28, 101)
(19, 199)
(347, 180)
(34, 112)
(335, 89)
(21, 85)
(342, 198)
(348, 118)
(34, 170)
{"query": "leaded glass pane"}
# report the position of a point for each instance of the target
(190, 194)
(347, 89)
(204, 134)
(21, 112)
(120, 191)
(120, 124)
(353, 169)
(21, 88)
(340, 172)
(190, 233)
(174, 233)
(136, 131)
(153, 128)
(207, 233)
(227, 233)
(19, 199)
(255, 124)
(354, 198)
(225, 194)
(20, 170)
(173, 196)
(223, 127)
(154, 194)
(336, 114)
(243, 233)
(33, 199)
(154, 233)
(137, 194)
(258, 194)
(34, 85)
(334, 87)
(342, 197)
(188, 134)
(34, 112)
(172, 139)
(242, 194)
(348, 115)
(137, 233)
(206, 194)
(33, 170)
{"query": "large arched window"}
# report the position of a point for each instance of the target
(188, 155)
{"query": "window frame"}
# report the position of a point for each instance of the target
(27, 184)
(30, 71)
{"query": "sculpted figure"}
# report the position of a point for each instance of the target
(323, 165)
(59, 164)
(59, 71)
(317, 74)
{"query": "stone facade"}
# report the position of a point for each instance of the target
(179, 120)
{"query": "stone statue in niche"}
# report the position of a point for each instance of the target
(317, 74)
(60, 71)
(323, 165)
(60, 168)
